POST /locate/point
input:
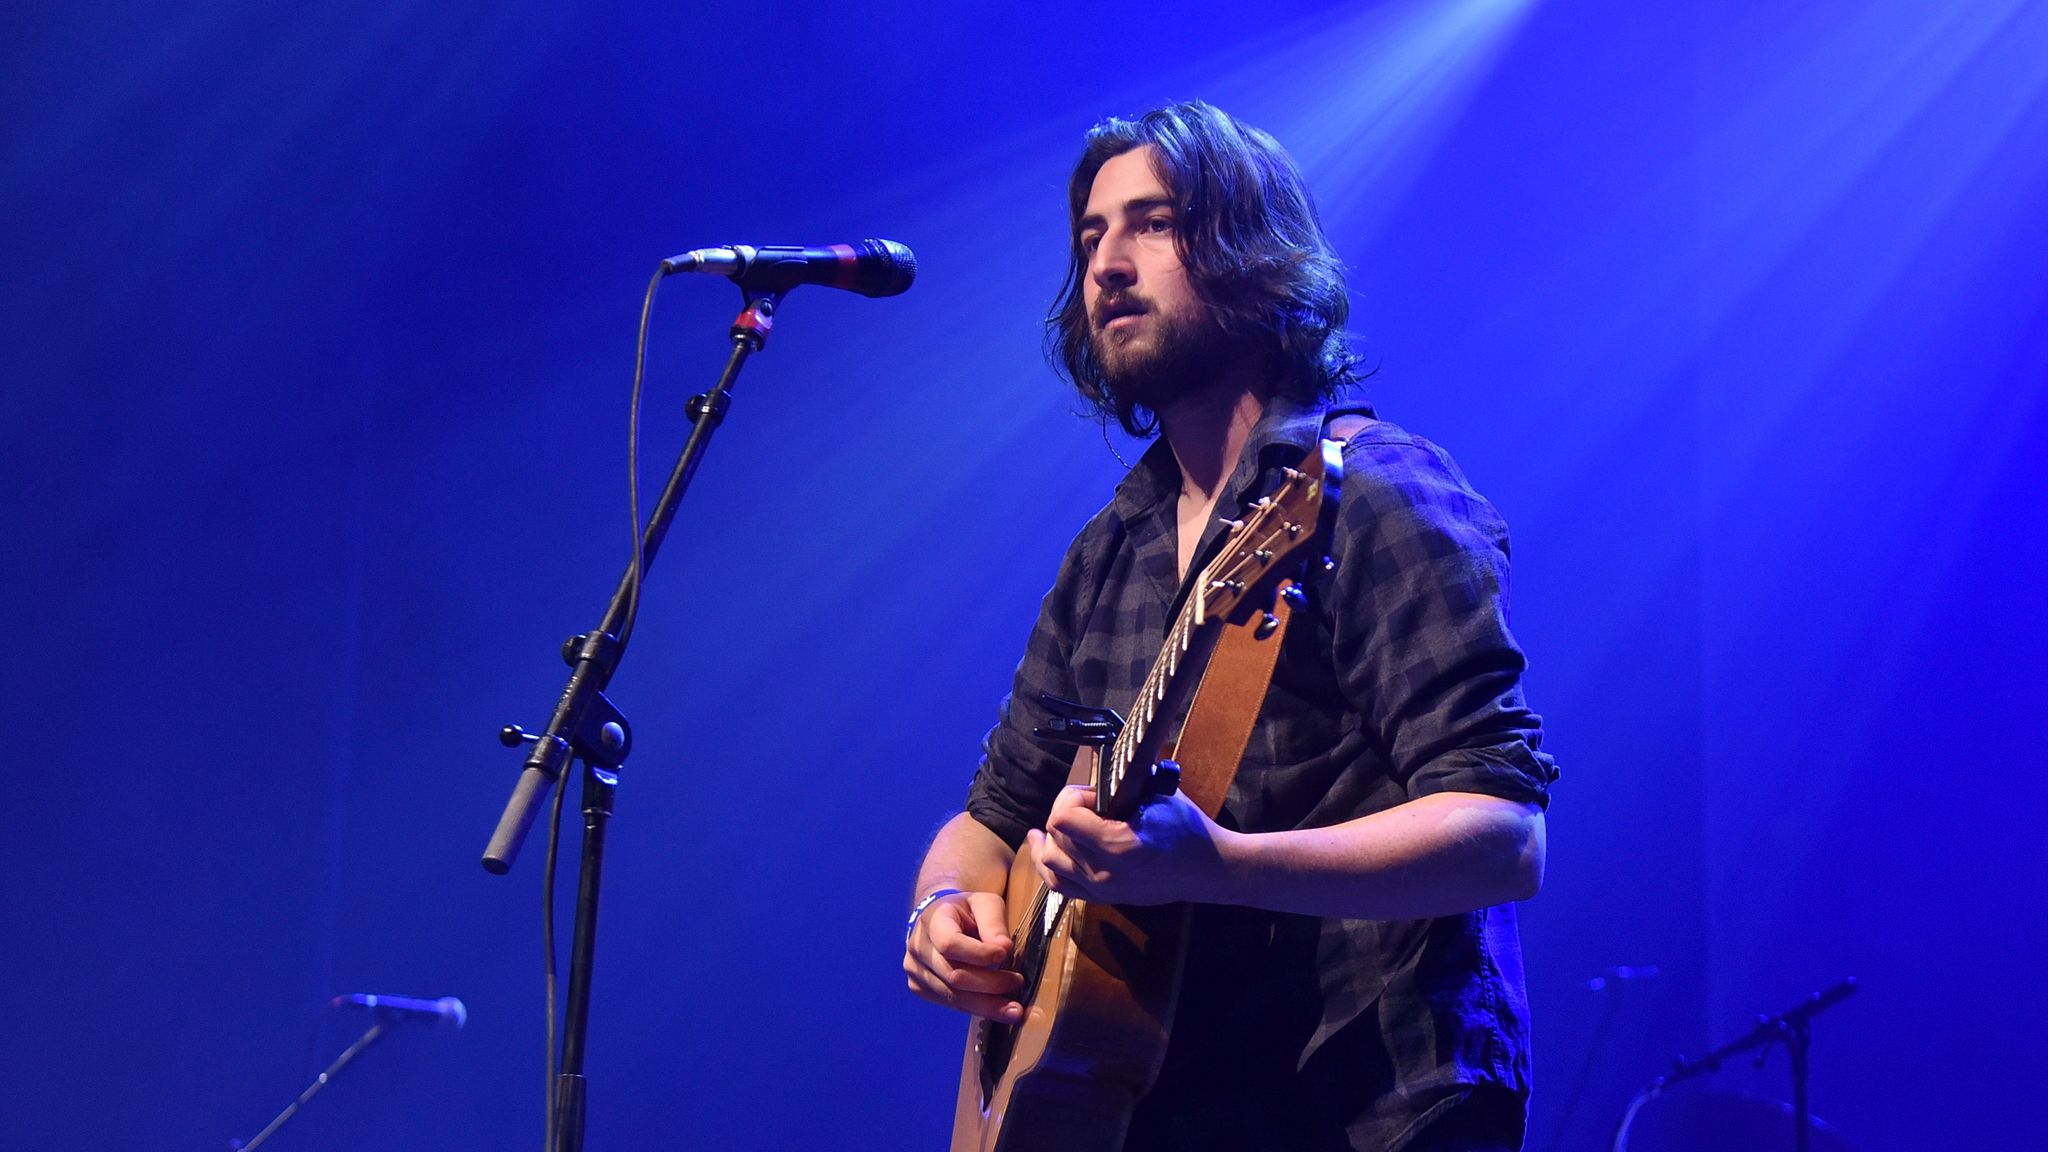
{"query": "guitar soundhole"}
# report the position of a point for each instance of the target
(999, 1041)
(996, 1042)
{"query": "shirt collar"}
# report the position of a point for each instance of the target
(1288, 429)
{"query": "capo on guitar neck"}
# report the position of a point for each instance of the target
(1077, 723)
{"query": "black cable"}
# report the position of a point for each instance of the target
(633, 457)
(1562, 1128)
(547, 914)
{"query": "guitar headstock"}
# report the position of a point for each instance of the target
(1277, 534)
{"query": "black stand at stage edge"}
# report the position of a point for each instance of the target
(586, 727)
(369, 1037)
(1793, 1028)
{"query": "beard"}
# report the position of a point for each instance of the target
(1179, 357)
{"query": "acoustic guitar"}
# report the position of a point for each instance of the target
(1101, 981)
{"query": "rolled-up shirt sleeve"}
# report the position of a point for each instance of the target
(1020, 774)
(1420, 626)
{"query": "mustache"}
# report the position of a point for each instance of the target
(1108, 308)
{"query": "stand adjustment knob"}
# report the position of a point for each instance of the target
(708, 404)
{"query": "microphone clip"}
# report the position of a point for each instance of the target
(756, 319)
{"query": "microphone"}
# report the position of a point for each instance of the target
(446, 1010)
(869, 267)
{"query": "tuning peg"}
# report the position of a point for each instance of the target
(1295, 597)
(1230, 525)
(1267, 624)
(1329, 563)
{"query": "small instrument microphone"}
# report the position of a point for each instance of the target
(447, 1009)
(1622, 974)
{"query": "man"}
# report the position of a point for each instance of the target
(1354, 978)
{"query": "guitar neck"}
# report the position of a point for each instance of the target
(1278, 531)
(1162, 701)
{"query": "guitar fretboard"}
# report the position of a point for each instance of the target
(1267, 531)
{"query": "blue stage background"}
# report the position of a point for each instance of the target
(316, 337)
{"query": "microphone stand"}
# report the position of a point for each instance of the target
(369, 1037)
(587, 727)
(1793, 1028)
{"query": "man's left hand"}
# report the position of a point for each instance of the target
(1171, 851)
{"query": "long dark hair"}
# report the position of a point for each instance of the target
(1249, 237)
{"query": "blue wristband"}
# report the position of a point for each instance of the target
(931, 897)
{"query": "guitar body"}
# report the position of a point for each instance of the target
(1094, 1031)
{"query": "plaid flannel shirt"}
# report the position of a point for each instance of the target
(1400, 679)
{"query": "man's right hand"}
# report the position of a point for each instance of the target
(956, 954)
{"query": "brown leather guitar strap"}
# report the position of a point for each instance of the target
(1225, 707)
(1233, 689)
